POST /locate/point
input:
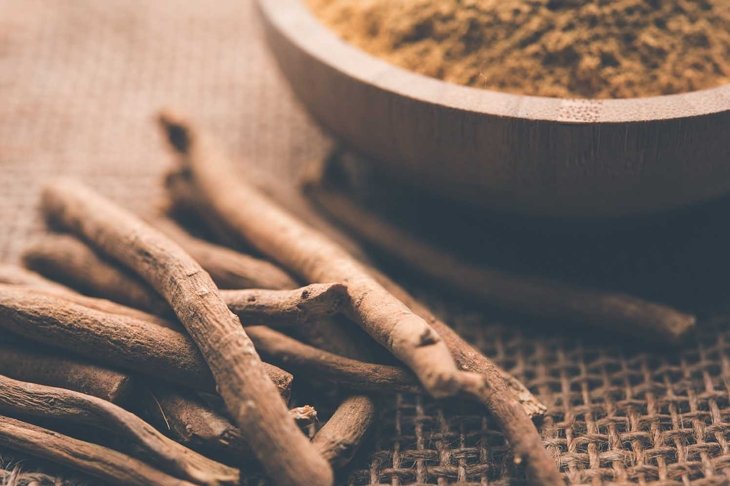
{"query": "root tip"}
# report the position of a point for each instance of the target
(175, 128)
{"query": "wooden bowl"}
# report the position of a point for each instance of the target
(520, 154)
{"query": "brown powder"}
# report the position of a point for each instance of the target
(561, 48)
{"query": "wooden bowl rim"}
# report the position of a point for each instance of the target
(295, 20)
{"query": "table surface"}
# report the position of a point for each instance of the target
(80, 81)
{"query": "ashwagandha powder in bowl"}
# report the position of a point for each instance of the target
(559, 48)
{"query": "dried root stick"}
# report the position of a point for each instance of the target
(26, 362)
(70, 260)
(102, 305)
(193, 423)
(340, 437)
(467, 357)
(110, 466)
(547, 299)
(14, 275)
(228, 268)
(496, 389)
(184, 199)
(276, 309)
(497, 386)
(45, 402)
(132, 344)
(188, 420)
(66, 259)
(337, 441)
(315, 258)
(250, 396)
(185, 193)
(168, 354)
(330, 367)
(185, 203)
(284, 308)
(311, 256)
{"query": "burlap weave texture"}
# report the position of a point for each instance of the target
(79, 83)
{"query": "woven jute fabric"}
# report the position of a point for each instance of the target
(79, 84)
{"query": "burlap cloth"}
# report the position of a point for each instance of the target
(79, 82)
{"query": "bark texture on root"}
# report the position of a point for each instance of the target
(467, 357)
(14, 275)
(340, 437)
(250, 396)
(350, 422)
(110, 466)
(323, 332)
(312, 257)
(286, 308)
(229, 269)
(187, 418)
(329, 367)
(315, 258)
(184, 200)
(192, 422)
(133, 344)
(102, 305)
(45, 402)
(68, 260)
(184, 416)
(26, 362)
